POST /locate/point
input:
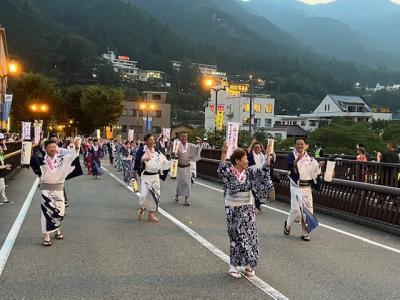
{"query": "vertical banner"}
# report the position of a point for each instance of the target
(219, 119)
(26, 130)
(330, 171)
(150, 124)
(37, 130)
(98, 135)
(232, 136)
(7, 106)
(175, 146)
(271, 143)
(166, 134)
(131, 135)
(144, 124)
(26, 151)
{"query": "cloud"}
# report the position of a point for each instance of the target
(396, 1)
(315, 2)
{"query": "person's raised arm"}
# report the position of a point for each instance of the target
(224, 151)
(253, 141)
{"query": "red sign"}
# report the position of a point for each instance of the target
(212, 107)
(221, 108)
(123, 57)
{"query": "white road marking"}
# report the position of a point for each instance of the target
(265, 287)
(12, 235)
(322, 225)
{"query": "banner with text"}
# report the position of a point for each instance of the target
(232, 136)
(26, 130)
(26, 151)
(7, 106)
(219, 119)
(37, 131)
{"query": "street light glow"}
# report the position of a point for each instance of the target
(13, 67)
(143, 106)
(152, 106)
(209, 82)
(44, 107)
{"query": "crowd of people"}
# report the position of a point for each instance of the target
(247, 175)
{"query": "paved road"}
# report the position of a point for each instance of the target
(108, 253)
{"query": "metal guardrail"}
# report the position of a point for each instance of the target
(376, 173)
(371, 202)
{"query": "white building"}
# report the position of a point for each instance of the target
(354, 108)
(123, 65)
(236, 108)
(204, 69)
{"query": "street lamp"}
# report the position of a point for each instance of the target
(13, 69)
(147, 108)
(210, 84)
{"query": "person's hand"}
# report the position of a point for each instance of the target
(8, 166)
(225, 148)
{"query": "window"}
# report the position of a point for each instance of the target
(131, 112)
(313, 123)
(303, 123)
(257, 108)
(268, 122)
(325, 107)
(360, 109)
(124, 128)
(157, 98)
(246, 107)
(157, 114)
(351, 108)
(277, 136)
(139, 129)
(156, 129)
(294, 123)
(246, 121)
(268, 108)
(257, 122)
(132, 127)
(278, 122)
(125, 112)
(329, 107)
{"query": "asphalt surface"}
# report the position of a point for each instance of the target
(109, 254)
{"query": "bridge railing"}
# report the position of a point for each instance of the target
(368, 203)
(368, 172)
(12, 156)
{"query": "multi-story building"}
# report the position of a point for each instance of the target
(333, 106)
(149, 114)
(208, 71)
(236, 106)
(122, 65)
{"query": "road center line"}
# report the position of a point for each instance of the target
(266, 288)
(322, 225)
(12, 235)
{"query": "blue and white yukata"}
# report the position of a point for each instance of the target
(303, 176)
(53, 174)
(239, 208)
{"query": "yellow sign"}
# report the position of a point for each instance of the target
(219, 120)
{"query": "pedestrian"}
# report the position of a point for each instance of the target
(390, 156)
(128, 162)
(186, 152)
(304, 174)
(205, 144)
(96, 153)
(54, 169)
(151, 165)
(362, 157)
(319, 153)
(239, 182)
(110, 149)
(256, 159)
(3, 172)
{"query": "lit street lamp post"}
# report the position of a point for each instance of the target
(210, 84)
(13, 68)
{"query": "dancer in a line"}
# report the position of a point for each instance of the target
(151, 165)
(128, 161)
(304, 174)
(87, 157)
(239, 182)
(186, 152)
(54, 169)
(96, 153)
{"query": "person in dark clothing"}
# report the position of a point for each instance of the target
(110, 152)
(390, 156)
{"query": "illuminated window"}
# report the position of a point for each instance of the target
(257, 108)
(246, 107)
(246, 121)
(268, 108)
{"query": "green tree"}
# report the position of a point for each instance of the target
(392, 132)
(34, 88)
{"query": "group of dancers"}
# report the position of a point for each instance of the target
(246, 180)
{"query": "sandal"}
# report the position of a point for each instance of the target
(187, 203)
(140, 212)
(286, 231)
(247, 271)
(46, 243)
(153, 219)
(305, 238)
(59, 236)
(234, 272)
